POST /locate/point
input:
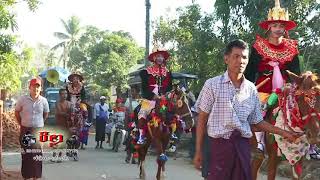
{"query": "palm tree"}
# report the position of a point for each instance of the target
(69, 39)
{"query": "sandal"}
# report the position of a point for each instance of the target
(260, 147)
(315, 156)
(317, 150)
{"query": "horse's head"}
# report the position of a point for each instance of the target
(181, 107)
(307, 95)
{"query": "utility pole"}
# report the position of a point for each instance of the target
(148, 7)
(1, 129)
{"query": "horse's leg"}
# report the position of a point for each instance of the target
(129, 154)
(257, 157)
(296, 175)
(142, 151)
(165, 141)
(256, 164)
(159, 150)
(142, 156)
(142, 173)
(273, 159)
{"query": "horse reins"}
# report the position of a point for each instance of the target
(296, 119)
(311, 101)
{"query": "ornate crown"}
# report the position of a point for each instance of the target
(278, 13)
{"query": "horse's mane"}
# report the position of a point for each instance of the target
(309, 81)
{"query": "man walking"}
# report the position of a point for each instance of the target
(228, 104)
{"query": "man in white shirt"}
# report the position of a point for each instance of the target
(101, 115)
(31, 111)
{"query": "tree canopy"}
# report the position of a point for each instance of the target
(13, 64)
(105, 57)
(196, 40)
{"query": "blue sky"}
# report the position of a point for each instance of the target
(127, 15)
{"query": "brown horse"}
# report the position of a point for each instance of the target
(182, 109)
(158, 133)
(299, 107)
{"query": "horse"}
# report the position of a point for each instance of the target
(157, 133)
(183, 110)
(298, 111)
(185, 116)
(159, 130)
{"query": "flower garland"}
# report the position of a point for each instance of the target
(73, 89)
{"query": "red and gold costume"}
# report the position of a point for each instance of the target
(263, 52)
(156, 82)
(271, 61)
(155, 77)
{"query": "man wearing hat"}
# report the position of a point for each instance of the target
(31, 112)
(101, 115)
(270, 58)
(156, 82)
(274, 52)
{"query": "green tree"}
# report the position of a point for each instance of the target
(196, 40)
(13, 67)
(13, 64)
(193, 45)
(45, 56)
(240, 19)
(105, 57)
(69, 38)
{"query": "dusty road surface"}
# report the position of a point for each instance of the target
(104, 164)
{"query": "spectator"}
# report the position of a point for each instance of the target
(31, 112)
(62, 114)
(101, 116)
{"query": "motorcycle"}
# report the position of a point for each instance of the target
(73, 144)
(118, 132)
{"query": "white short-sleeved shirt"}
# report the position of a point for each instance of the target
(31, 111)
(229, 108)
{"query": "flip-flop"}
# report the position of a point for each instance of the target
(260, 147)
(317, 150)
(315, 156)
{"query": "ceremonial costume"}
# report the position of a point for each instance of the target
(156, 82)
(269, 61)
(79, 114)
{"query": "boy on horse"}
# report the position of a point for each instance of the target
(156, 83)
(270, 58)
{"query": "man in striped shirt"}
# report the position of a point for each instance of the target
(228, 106)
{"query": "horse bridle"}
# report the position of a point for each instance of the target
(183, 95)
(310, 98)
